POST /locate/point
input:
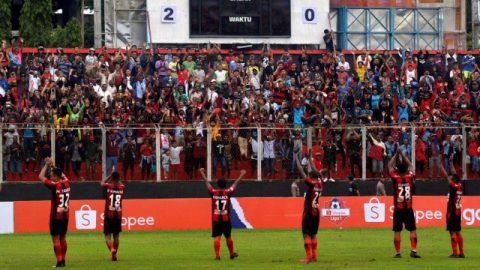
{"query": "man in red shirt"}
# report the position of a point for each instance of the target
(59, 186)
(401, 171)
(114, 191)
(221, 223)
(311, 209)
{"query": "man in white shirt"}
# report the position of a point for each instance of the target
(175, 151)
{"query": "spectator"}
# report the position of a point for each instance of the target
(269, 156)
(352, 187)
(128, 155)
(146, 159)
(174, 152)
(92, 154)
(77, 152)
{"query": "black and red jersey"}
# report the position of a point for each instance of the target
(312, 196)
(403, 189)
(220, 203)
(60, 198)
(113, 200)
(455, 191)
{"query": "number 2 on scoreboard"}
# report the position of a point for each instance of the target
(169, 14)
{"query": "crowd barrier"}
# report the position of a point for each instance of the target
(224, 151)
(189, 214)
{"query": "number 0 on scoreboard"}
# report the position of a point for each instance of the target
(309, 15)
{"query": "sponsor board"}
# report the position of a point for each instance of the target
(6, 217)
(335, 211)
(251, 213)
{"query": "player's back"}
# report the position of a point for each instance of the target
(220, 203)
(114, 199)
(313, 192)
(455, 192)
(403, 189)
(60, 198)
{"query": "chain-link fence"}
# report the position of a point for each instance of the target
(155, 153)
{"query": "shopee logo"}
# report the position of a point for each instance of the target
(130, 222)
(421, 215)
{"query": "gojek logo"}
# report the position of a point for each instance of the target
(335, 211)
(374, 210)
(85, 218)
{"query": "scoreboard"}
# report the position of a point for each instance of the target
(237, 21)
(240, 18)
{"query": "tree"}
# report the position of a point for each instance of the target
(66, 37)
(36, 22)
(6, 21)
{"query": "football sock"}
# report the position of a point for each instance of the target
(396, 242)
(230, 245)
(216, 246)
(460, 243)
(413, 242)
(57, 248)
(63, 244)
(308, 247)
(314, 248)
(453, 241)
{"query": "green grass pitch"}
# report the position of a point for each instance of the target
(258, 249)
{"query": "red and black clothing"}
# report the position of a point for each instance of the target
(59, 211)
(454, 207)
(221, 223)
(113, 207)
(311, 209)
(403, 189)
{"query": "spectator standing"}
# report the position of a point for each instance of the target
(128, 156)
(146, 155)
(269, 156)
(175, 150)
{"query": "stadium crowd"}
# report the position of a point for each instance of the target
(128, 90)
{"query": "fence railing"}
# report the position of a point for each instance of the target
(158, 153)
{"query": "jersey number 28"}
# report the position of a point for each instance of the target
(403, 194)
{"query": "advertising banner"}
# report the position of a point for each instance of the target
(251, 213)
(6, 217)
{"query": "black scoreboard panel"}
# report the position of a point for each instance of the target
(249, 18)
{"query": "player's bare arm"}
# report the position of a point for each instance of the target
(41, 176)
(393, 160)
(242, 173)
(406, 160)
(202, 173)
(300, 168)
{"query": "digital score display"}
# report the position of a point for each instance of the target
(246, 18)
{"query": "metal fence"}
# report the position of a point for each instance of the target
(158, 153)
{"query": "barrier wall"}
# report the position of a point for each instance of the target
(251, 213)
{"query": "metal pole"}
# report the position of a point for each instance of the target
(412, 138)
(364, 153)
(97, 22)
(309, 138)
(82, 24)
(158, 154)
(209, 153)
(259, 154)
(114, 39)
(464, 152)
(52, 143)
(104, 151)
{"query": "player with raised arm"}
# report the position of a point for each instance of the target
(114, 191)
(311, 210)
(59, 186)
(454, 211)
(403, 180)
(221, 223)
